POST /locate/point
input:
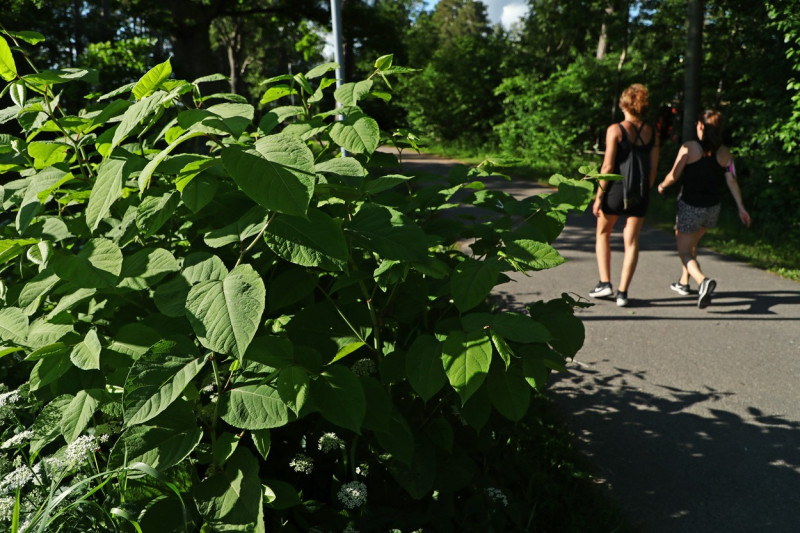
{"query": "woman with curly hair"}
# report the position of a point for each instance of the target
(705, 164)
(630, 142)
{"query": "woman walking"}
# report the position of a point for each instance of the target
(628, 143)
(705, 164)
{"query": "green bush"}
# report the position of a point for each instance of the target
(212, 322)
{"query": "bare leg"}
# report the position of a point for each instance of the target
(633, 227)
(687, 249)
(684, 279)
(605, 223)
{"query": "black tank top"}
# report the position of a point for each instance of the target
(702, 182)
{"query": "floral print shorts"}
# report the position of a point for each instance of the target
(691, 218)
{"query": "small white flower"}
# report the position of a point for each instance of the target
(353, 494)
(362, 469)
(302, 464)
(16, 479)
(9, 398)
(330, 442)
(78, 450)
(7, 508)
(18, 438)
(364, 367)
(496, 495)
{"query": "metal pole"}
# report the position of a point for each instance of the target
(336, 22)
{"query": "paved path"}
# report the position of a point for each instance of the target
(691, 417)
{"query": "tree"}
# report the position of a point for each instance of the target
(692, 83)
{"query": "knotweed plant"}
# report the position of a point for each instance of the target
(217, 316)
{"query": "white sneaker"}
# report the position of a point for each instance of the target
(601, 290)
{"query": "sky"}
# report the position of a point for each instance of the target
(505, 12)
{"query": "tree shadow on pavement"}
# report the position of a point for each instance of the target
(682, 465)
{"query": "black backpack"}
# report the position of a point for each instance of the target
(634, 166)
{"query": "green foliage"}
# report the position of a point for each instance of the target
(195, 305)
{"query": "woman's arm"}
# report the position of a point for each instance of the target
(613, 136)
(677, 168)
(733, 185)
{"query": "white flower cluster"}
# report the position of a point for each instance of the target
(9, 398)
(78, 450)
(364, 367)
(16, 479)
(496, 495)
(302, 464)
(353, 494)
(18, 438)
(330, 442)
(7, 508)
(362, 469)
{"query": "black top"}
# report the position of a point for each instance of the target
(702, 182)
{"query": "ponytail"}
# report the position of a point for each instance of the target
(712, 130)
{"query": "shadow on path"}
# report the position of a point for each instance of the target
(677, 471)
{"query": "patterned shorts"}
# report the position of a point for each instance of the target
(691, 218)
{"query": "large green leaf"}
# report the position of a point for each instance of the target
(170, 297)
(152, 80)
(79, 413)
(135, 115)
(531, 255)
(146, 267)
(316, 241)
(357, 133)
(47, 425)
(8, 69)
(293, 386)
(36, 289)
(167, 441)
(49, 369)
(519, 328)
(107, 188)
(348, 94)
(472, 281)
(232, 500)
(97, 265)
(278, 174)
(340, 398)
(254, 407)
(86, 354)
(388, 232)
(466, 358)
(13, 325)
(225, 314)
(568, 331)
(157, 446)
(509, 392)
(247, 226)
(424, 366)
(157, 379)
(154, 211)
(31, 204)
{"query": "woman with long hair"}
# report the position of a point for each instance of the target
(704, 164)
(630, 142)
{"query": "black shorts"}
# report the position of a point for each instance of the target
(612, 203)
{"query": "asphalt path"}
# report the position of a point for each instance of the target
(691, 417)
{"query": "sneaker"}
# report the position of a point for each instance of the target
(602, 289)
(706, 288)
(622, 298)
(680, 288)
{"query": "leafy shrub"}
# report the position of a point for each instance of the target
(214, 323)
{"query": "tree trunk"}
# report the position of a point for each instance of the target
(602, 42)
(691, 74)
